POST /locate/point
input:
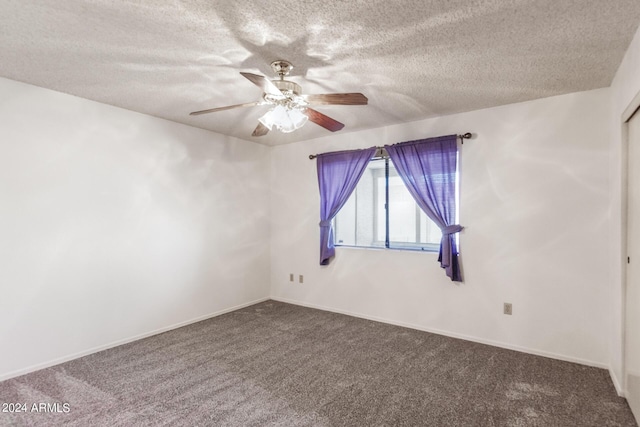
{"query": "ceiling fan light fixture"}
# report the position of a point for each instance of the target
(284, 119)
(298, 118)
(291, 110)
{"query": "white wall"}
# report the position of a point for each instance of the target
(535, 204)
(114, 225)
(625, 86)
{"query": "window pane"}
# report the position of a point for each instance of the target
(345, 224)
(403, 225)
(362, 221)
(409, 226)
(356, 223)
(381, 214)
(429, 231)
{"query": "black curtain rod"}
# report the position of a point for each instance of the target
(462, 138)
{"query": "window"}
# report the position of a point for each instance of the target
(381, 213)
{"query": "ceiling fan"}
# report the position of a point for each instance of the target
(291, 109)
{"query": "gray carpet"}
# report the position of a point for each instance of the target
(276, 364)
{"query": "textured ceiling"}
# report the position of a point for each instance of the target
(412, 59)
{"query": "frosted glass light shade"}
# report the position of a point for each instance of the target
(283, 119)
(297, 118)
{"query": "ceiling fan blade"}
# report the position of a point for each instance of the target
(336, 99)
(322, 120)
(228, 107)
(260, 130)
(263, 83)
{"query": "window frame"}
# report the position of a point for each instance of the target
(387, 243)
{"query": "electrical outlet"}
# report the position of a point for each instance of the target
(301, 278)
(291, 277)
(508, 309)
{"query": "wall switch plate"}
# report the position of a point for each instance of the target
(291, 277)
(301, 278)
(508, 309)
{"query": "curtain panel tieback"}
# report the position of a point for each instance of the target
(446, 245)
(452, 229)
(326, 223)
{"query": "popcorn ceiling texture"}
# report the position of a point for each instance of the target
(412, 59)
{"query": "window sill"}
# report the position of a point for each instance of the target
(378, 248)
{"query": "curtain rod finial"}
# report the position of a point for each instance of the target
(464, 136)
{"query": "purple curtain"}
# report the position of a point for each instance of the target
(338, 175)
(428, 169)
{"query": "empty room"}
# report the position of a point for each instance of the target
(306, 213)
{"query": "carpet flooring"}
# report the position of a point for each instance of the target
(276, 364)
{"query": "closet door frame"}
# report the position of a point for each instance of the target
(631, 113)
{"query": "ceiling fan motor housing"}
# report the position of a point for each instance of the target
(287, 86)
(281, 67)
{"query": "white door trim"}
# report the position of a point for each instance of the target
(631, 108)
(629, 112)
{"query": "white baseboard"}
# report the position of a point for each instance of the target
(616, 383)
(83, 353)
(453, 335)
